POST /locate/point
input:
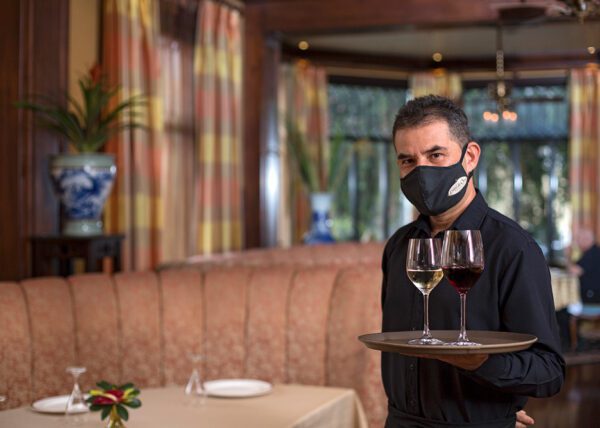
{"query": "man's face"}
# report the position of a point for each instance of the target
(430, 144)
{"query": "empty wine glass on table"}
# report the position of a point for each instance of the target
(76, 405)
(424, 269)
(462, 263)
(195, 387)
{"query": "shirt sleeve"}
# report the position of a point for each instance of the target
(527, 307)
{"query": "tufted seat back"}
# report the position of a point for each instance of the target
(280, 323)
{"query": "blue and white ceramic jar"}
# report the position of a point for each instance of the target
(82, 183)
(320, 231)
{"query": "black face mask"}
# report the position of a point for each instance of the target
(435, 189)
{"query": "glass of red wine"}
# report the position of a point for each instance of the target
(462, 263)
(424, 269)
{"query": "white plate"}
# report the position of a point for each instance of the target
(56, 404)
(237, 388)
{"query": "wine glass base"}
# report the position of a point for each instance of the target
(426, 341)
(463, 343)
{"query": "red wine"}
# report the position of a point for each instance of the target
(463, 278)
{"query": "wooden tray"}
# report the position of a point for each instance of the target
(492, 342)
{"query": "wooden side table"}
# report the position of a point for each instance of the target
(52, 251)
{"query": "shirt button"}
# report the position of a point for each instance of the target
(411, 367)
(413, 403)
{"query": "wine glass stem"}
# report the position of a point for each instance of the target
(462, 337)
(426, 332)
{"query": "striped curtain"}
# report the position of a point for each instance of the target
(302, 97)
(584, 92)
(130, 59)
(437, 82)
(217, 210)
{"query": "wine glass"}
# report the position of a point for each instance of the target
(76, 404)
(462, 263)
(424, 269)
(194, 387)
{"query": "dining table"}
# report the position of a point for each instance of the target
(286, 405)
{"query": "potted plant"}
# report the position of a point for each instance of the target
(320, 190)
(84, 177)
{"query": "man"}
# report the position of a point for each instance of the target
(587, 267)
(436, 160)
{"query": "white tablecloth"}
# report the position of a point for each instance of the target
(286, 406)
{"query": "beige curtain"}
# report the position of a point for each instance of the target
(584, 149)
(437, 82)
(302, 99)
(130, 60)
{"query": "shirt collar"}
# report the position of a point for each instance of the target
(470, 219)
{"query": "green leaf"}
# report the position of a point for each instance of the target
(125, 386)
(122, 411)
(96, 407)
(105, 412)
(105, 385)
(134, 403)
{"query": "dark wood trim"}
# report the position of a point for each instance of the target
(406, 63)
(254, 45)
(34, 58)
(335, 15)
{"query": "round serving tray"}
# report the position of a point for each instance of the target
(492, 342)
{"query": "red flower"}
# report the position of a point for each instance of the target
(103, 400)
(96, 73)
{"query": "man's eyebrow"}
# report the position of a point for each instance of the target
(430, 150)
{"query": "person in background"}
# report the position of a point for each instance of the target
(436, 160)
(587, 268)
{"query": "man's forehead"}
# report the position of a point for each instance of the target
(425, 137)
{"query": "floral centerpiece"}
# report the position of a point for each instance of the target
(83, 178)
(112, 401)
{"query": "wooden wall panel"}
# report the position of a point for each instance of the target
(33, 54)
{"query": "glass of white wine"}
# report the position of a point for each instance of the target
(424, 269)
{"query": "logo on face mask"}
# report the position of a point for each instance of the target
(458, 185)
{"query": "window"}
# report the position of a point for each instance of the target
(368, 203)
(523, 171)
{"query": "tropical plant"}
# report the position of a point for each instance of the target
(310, 170)
(89, 124)
(111, 400)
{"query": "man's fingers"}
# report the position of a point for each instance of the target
(523, 419)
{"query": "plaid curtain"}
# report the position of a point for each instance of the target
(302, 98)
(130, 59)
(217, 211)
(584, 92)
(437, 82)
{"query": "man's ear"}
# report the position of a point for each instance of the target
(471, 156)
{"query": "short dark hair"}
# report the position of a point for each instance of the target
(430, 108)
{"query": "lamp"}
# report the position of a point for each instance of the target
(499, 90)
(582, 8)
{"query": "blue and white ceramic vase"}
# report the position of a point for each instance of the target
(82, 183)
(320, 231)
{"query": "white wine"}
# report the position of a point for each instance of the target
(425, 280)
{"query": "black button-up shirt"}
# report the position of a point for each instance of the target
(513, 294)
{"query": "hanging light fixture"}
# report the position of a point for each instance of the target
(500, 90)
(582, 9)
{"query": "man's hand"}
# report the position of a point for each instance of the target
(523, 421)
(467, 362)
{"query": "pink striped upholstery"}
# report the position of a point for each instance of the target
(268, 295)
(183, 322)
(139, 316)
(97, 327)
(307, 324)
(52, 335)
(15, 346)
(281, 318)
(225, 293)
(355, 311)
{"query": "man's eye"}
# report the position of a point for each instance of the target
(436, 155)
(406, 161)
